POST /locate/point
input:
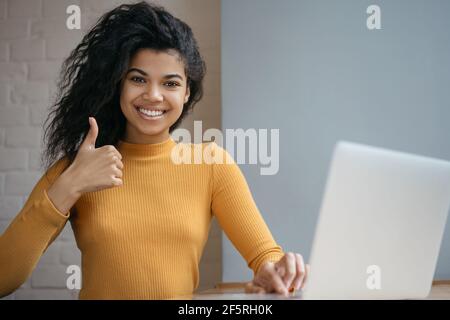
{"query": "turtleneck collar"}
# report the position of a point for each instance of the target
(142, 151)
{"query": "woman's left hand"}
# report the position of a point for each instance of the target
(284, 276)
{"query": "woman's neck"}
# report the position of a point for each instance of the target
(140, 138)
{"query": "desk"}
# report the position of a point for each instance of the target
(236, 291)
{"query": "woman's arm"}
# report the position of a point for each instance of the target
(48, 207)
(238, 215)
(64, 193)
(34, 229)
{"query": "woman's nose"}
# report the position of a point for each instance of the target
(153, 94)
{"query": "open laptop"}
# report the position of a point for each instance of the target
(381, 225)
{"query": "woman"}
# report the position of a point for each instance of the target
(140, 221)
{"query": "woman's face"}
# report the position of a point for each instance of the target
(154, 90)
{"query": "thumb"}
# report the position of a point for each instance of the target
(91, 137)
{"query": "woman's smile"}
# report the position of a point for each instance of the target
(150, 114)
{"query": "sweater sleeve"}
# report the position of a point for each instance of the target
(30, 233)
(235, 209)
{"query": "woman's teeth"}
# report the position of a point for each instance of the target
(151, 113)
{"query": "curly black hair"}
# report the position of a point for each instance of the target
(90, 78)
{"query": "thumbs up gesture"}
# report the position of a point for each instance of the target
(96, 169)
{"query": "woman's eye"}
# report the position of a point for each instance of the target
(169, 84)
(172, 84)
(137, 79)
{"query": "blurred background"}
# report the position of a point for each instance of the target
(315, 71)
(310, 68)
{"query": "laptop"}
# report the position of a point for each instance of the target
(380, 226)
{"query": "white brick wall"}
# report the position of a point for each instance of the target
(14, 116)
(24, 9)
(13, 159)
(20, 183)
(52, 9)
(34, 160)
(12, 29)
(33, 44)
(43, 70)
(30, 92)
(23, 136)
(27, 49)
(9, 206)
(12, 72)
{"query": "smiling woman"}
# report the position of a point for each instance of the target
(126, 57)
(152, 95)
(140, 220)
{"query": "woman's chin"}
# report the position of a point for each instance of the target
(153, 132)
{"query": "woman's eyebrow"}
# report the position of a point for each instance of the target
(167, 76)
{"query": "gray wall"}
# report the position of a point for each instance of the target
(314, 70)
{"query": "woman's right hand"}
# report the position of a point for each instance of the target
(96, 169)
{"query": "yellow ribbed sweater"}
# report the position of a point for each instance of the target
(143, 240)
